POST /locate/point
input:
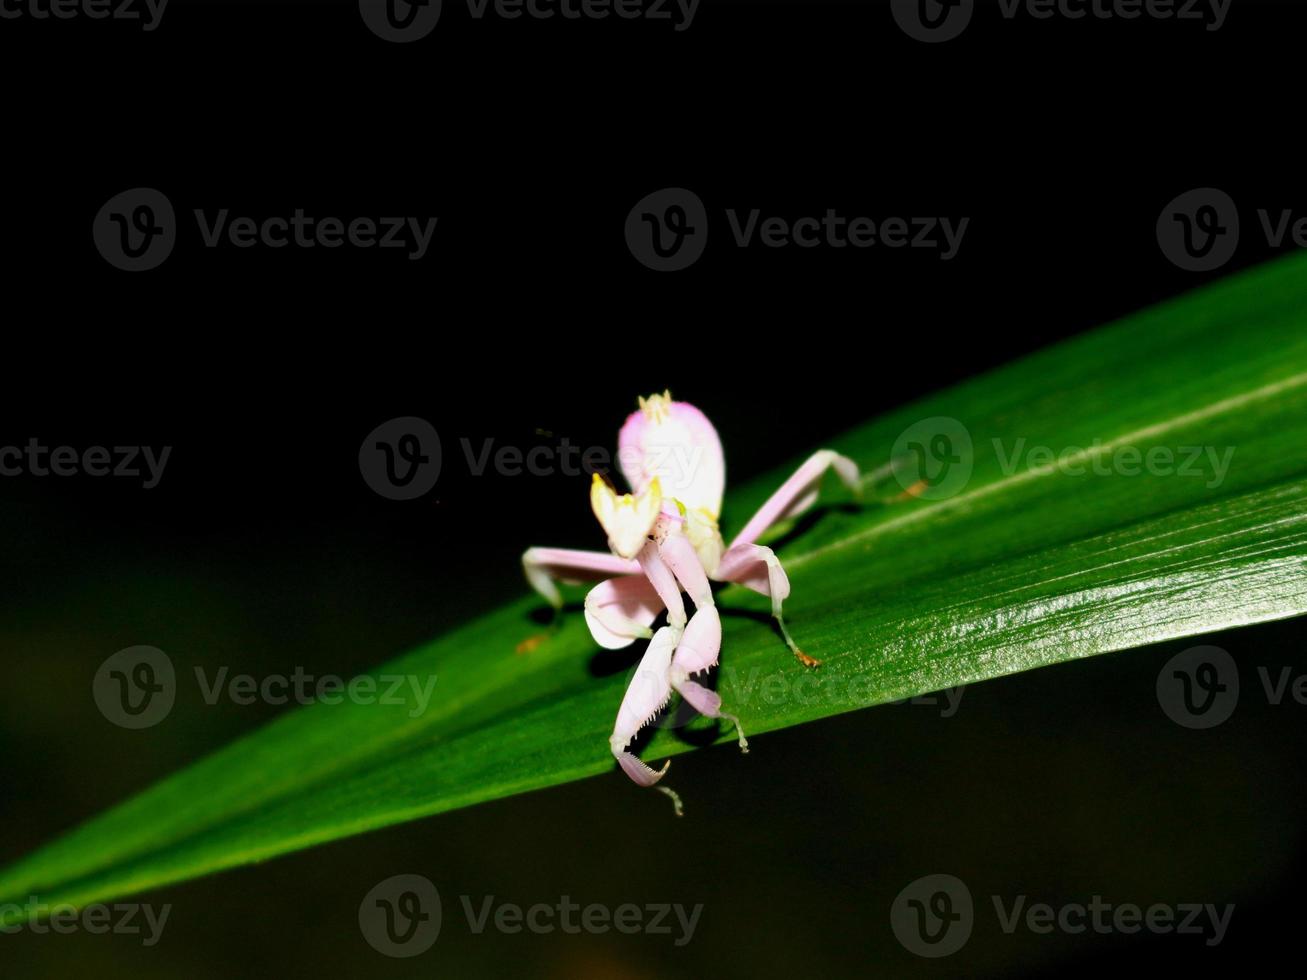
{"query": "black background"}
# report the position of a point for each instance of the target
(531, 140)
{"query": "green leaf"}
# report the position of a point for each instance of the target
(1025, 565)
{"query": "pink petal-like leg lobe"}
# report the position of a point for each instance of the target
(799, 492)
(702, 699)
(698, 652)
(545, 566)
(709, 704)
(701, 642)
(649, 690)
(680, 556)
(640, 773)
(757, 567)
(664, 583)
(622, 610)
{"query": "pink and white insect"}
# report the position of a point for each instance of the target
(664, 540)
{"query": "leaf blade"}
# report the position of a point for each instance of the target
(1025, 567)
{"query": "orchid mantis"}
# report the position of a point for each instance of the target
(664, 540)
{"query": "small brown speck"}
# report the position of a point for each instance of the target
(914, 491)
(531, 643)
